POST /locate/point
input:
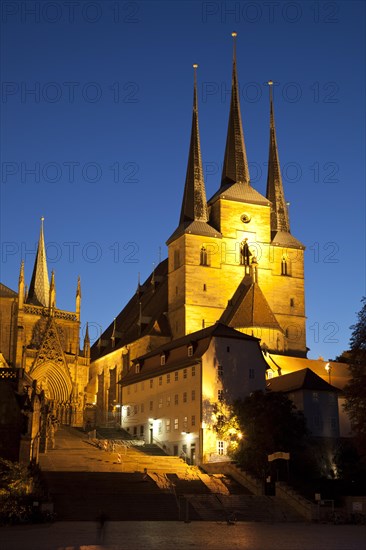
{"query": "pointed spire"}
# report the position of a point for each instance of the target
(52, 300)
(78, 296)
(86, 337)
(21, 290)
(194, 206)
(275, 194)
(235, 168)
(39, 289)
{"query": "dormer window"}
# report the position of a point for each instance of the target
(190, 350)
(162, 359)
(137, 368)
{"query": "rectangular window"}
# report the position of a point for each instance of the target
(176, 399)
(160, 380)
(228, 349)
(193, 371)
(159, 427)
(185, 397)
(151, 405)
(251, 374)
(193, 395)
(176, 423)
(193, 420)
(142, 407)
(220, 395)
(128, 411)
(137, 368)
(160, 402)
(142, 430)
(292, 302)
(184, 373)
(176, 376)
(168, 378)
(135, 430)
(220, 371)
(185, 422)
(220, 447)
(151, 383)
(315, 396)
(190, 351)
(167, 425)
(136, 409)
(168, 401)
(220, 420)
(162, 359)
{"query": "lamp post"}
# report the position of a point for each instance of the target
(328, 368)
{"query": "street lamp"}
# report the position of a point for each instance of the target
(328, 368)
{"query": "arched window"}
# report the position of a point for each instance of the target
(284, 266)
(203, 256)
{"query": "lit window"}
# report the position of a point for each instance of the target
(168, 401)
(193, 371)
(137, 368)
(185, 422)
(168, 378)
(185, 397)
(220, 395)
(160, 402)
(176, 376)
(220, 447)
(167, 425)
(193, 420)
(160, 380)
(151, 383)
(176, 399)
(162, 359)
(176, 423)
(269, 374)
(190, 351)
(184, 373)
(193, 395)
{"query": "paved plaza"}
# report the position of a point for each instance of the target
(182, 536)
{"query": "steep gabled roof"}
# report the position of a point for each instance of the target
(6, 292)
(249, 308)
(304, 379)
(143, 315)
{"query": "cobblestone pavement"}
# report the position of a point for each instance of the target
(182, 536)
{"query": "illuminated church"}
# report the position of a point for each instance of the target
(221, 315)
(234, 272)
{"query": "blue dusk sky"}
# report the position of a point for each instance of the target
(96, 105)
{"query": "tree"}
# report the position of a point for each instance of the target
(269, 422)
(355, 390)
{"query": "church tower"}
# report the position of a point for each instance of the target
(48, 342)
(193, 272)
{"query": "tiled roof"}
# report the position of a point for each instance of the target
(339, 373)
(283, 238)
(194, 228)
(153, 297)
(6, 292)
(304, 379)
(249, 308)
(239, 192)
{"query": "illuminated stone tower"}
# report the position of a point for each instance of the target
(236, 261)
(48, 342)
(193, 274)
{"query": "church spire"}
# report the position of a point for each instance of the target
(194, 206)
(39, 290)
(275, 194)
(87, 342)
(52, 300)
(21, 290)
(235, 168)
